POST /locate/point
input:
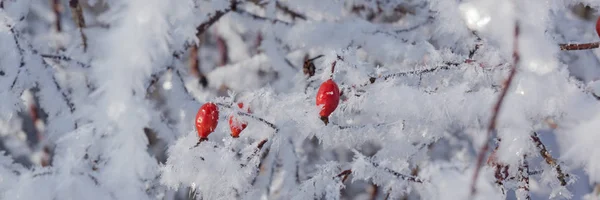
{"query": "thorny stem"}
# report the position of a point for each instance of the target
(549, 159)
(496, 110)
(574, 47)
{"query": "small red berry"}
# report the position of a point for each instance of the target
(237, 125)
(328, 97)
(207, 120)
(598, 26)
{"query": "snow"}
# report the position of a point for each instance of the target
(420, 80)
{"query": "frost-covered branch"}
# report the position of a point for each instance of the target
(491, 129)
(77, 11)
(560, 175)
(65, 58)
(584, 46)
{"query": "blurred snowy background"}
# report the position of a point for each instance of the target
(440, 99)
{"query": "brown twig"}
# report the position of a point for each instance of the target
(332, 68)
(549, 159)
(344, 175)
(56, 8)
(79, 20)
(574, 47)
(195, 66)
(493, 120)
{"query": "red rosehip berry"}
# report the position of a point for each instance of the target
(207, 120)
(598, 26)
(237, 125)
(328, 97)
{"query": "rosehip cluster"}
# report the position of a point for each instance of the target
(207, 118)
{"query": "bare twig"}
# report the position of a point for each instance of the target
(261, 18)
(252, 116)
(79, 20)
(215, 17)
(21, 55)
(56, 8)
(574, 47)
(549, 159)
(289, 11)
(64, 95)
(65, 58)
(344, 175)
(493, 120)
(195, 67)
(405, 177)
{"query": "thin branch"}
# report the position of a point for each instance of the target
(79, 20)
(332, 68)
(289, 11)
(261, 18)
(402, 74)
(397, 174)
(252, 116)
(574, 47)
(215, 17)
(549, 159)
(64, 95)
(56, 8)
(195, 67)
(65, 58)
(21, 56)
(344, 175)
(493, 120)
